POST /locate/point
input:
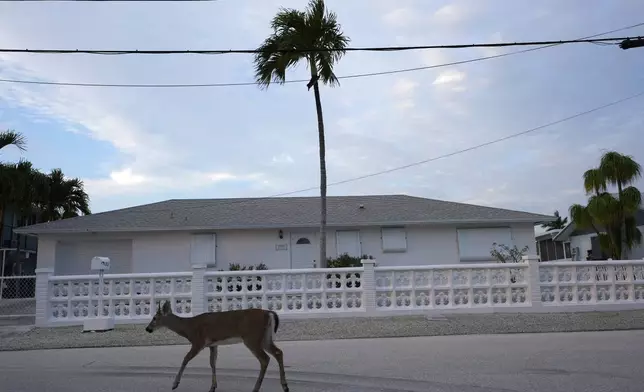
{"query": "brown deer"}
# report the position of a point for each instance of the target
(253, 327)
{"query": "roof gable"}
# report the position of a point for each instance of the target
(283, 212)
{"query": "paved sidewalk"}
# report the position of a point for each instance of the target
(341, 328)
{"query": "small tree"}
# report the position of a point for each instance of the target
(504, 254)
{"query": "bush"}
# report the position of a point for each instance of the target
(345, 261)
(236, 282)
(504, 254)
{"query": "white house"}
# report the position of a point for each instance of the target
(280, 232)
(583, 242)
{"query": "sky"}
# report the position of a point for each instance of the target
(133, 146)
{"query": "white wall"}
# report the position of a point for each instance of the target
(584, 244)
(427, 245)
(73, 257)
(170, 251)
(638, 252)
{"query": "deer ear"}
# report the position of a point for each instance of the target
(166, 308)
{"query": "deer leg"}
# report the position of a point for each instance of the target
(260, 354)
(213, 361)
(194, 350)
(279, 356)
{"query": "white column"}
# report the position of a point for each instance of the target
(46, 256)
(368, 284)
(534, 284)
(42, 295)
(199, 304)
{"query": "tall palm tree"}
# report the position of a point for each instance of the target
(62, 198)
(605, 212)
(295, 33)
(13, 138)
(621, 170)
(557, 223)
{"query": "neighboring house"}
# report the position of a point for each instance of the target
(10, 239)
(280, 232)
(585, 241)
(550, 250)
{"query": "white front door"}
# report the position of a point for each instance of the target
(303, 250)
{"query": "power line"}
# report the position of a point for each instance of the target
(424, 161)
(354, 76)
(309, 50)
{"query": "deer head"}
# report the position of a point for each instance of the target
(160, 317)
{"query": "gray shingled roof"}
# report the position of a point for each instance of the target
(284, 212)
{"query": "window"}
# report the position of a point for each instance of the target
(348, 241)
(567, 251)
(203, 249)
(394, 239)
(303, 241)
(475, 244)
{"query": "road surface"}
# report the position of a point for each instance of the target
(571, 362)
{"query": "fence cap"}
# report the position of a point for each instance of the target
(530, 257)
(368, 261)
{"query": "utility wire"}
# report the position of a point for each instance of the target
(314, 50)
(354, 76)
(424, 161)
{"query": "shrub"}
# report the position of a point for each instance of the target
(234, 283)
(346, 261)
(504, 254)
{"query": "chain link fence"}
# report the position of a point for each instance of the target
(17, 298)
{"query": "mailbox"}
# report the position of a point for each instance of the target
(99, 323)
(100, 263)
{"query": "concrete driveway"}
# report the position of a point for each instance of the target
(554, 362)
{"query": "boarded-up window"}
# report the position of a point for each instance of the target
(394, 239)
(203, 250)
(348, 241)
(475, 244)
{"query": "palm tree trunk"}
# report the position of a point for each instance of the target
(622, 225)
(322, 148)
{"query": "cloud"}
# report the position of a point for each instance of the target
(450, 76)
(283, 158)
(399, 17)
(451, 13)
(404, 87)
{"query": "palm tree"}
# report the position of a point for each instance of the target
(557, 223)
(621, 170)
(17, 188)
(62, 198)
(13, 138)
(605, 212)
(295, 34)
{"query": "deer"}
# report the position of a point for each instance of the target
(255, 328)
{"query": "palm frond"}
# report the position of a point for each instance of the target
(619, 168)
(594, 181)
(13, 138)
(631, 199)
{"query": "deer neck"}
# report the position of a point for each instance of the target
(177, 325)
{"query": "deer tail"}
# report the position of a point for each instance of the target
(275, 320)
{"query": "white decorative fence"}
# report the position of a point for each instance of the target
(372, 291)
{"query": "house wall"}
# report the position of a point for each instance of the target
(171, 251)
(583, 241)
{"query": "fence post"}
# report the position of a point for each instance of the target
(534, 284)
(198, 289)
(42, 296)
(368, 284)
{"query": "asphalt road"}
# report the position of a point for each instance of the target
(571, 362)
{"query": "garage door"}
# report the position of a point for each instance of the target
(73, 257)
(474, 245)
